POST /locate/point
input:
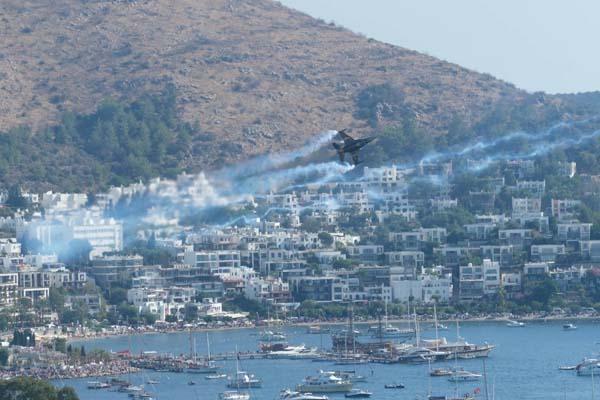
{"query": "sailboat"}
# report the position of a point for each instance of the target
(197, 367)
(268, 335)
(391, 332)
(349, 334)
(460, 348)
(235, 394)
(243, 379)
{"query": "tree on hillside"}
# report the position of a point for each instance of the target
(24, 388)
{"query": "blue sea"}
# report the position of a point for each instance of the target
(524, 365)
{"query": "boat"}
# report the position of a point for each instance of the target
(358, 394)
(191, 383)
(324, 383)
(461, 348)
(152, 382)
(417, 354)
(588, 367)
(243, 379)
(394, 386)
(201, 368)
(97, 385)
(194, 366)
(392, 332)
(288, 394)
(141, 396)
(441, 372)
(464, 376)
(467, 396)
(271, 336)
(568, 368)
(569, 327)
(316, 330)
(131, 389)
(515, 324)
(351, 376)
(234, 395)
(118, 382)
(215, 376)
(388, 331)
(442, 327)
(294, 353)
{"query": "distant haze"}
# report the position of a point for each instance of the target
(539, 45)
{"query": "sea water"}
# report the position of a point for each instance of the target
(524, 364)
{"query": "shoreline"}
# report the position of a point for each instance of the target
(178, 330)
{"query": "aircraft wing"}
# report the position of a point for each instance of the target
(347, 138)
(355, 159)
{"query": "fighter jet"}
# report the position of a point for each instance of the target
(350, 145)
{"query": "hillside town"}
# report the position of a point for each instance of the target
(410, 237)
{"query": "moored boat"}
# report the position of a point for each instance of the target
(358, 394)
(351, 376)
(569, 327)
(215, 376)
(288, 394)
(464, 376)
(394, 386)
(97, 385)
(234, 395)
(324, 383)
(588, 367)
(441, 372)
(244, 380)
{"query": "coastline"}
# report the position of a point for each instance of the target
(129, 331)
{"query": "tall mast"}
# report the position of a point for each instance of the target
(237, 367)
(418, 335)
(437, 339)
(485, 382)
(207, 347)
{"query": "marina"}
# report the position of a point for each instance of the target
(520, 364)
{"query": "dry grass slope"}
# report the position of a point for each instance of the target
(250, 71)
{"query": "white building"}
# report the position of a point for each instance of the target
(476, 281)
(211, 261)
(425, 288)
(526, 208)
(60, 202)
(104, 235)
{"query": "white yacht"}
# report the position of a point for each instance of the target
(244, 380)
(351, 376)
(215, 376)
(131, 389)
(271, 336)
(515, 324)
(316, 329)
(569, 327)
(460, 349)
(588, 367)
(393, 332)
(234, 395)
(294, 352)
(289, 394)
(97, 385)
(464, 376)
(324, 383)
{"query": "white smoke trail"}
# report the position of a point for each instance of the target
(261, 164)
(481, 146)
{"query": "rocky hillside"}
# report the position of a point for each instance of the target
(250, 70)
(251, 75)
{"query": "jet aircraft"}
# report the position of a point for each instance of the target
(351, 146)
